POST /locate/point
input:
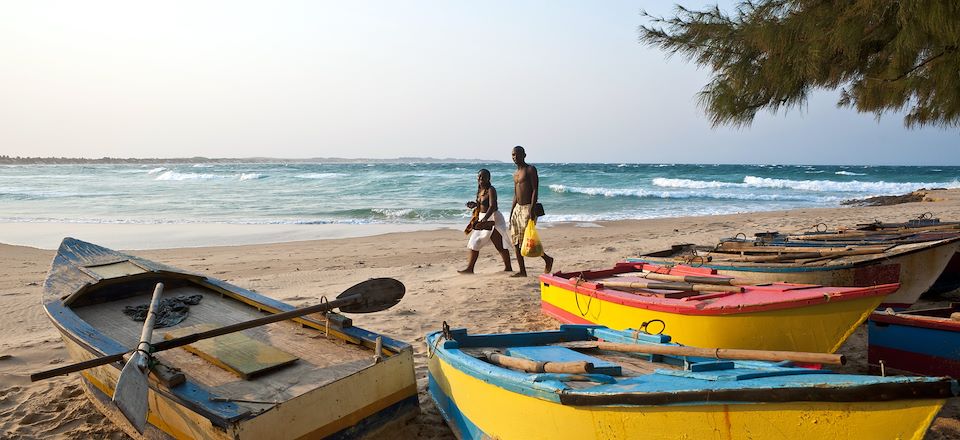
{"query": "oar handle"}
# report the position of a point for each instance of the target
(194, 337)
(576, 367)
(727, 353)
(147, 333)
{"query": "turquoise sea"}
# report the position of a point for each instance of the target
(366, 193)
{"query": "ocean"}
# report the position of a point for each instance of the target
(405, 193)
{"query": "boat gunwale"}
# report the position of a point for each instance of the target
(916, 318)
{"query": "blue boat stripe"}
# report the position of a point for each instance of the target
(465, 428)
(931, 342)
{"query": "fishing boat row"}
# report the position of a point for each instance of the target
(682, 352)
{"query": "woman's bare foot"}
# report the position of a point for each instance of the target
(465, 271)
(519, 275)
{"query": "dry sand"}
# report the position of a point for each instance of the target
(426, 261)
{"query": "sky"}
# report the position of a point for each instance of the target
(382, 79)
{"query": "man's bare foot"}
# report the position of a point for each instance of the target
(508, 269)
(549, 264)
(519, 275)
(465, 271)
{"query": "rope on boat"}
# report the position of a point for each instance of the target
(444, 334)
(576, 287)
(326, 318)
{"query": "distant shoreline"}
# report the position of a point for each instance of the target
(7, 160)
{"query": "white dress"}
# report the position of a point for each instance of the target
(481, 237)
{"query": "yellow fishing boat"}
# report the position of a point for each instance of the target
(776, 316)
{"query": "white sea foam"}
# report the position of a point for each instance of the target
(691, 194)
(852, 186)
(156, 171)
(319, 175)
(202, 165)
(175, 176)
(394, 213)
(693, 184)
(251, 176)
(849, 173)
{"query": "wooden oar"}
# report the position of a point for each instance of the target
(576, 367)
(671, 286)
(130, 395)
(372, 295)
(715, 353)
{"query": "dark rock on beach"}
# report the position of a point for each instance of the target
(916, 196)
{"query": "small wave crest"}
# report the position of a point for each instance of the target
(855, 186)
(171, 175)
(156, 171)
(251, 176)
(849, 173)
(692, 184)
(691, 194)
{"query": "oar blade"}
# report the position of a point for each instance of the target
(375, 294)
(130, 395)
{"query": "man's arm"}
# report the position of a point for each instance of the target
(514, 204)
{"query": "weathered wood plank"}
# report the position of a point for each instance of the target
(235, 352)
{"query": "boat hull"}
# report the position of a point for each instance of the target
(478, 409)
(915, 342)
(819, 327)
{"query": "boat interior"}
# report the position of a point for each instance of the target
(259, 366)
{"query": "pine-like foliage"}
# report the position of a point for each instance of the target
(884, 55)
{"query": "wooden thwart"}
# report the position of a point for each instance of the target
(234, 352)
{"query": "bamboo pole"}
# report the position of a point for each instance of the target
(720, 353)
(721, 281)
(671, 286)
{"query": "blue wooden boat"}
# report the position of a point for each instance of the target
(629, 396)
(917, 341)
(310, 377)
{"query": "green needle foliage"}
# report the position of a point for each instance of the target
(883, 55)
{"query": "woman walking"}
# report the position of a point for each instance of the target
(488, 225)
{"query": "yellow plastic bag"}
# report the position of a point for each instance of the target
(531, 242)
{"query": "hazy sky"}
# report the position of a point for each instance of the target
(380, 79)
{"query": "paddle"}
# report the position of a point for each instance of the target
(130, 395)
(368, 296)
(716, 353)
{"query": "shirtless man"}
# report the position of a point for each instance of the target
(525, 188)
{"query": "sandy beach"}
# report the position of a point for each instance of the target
(301, 272)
